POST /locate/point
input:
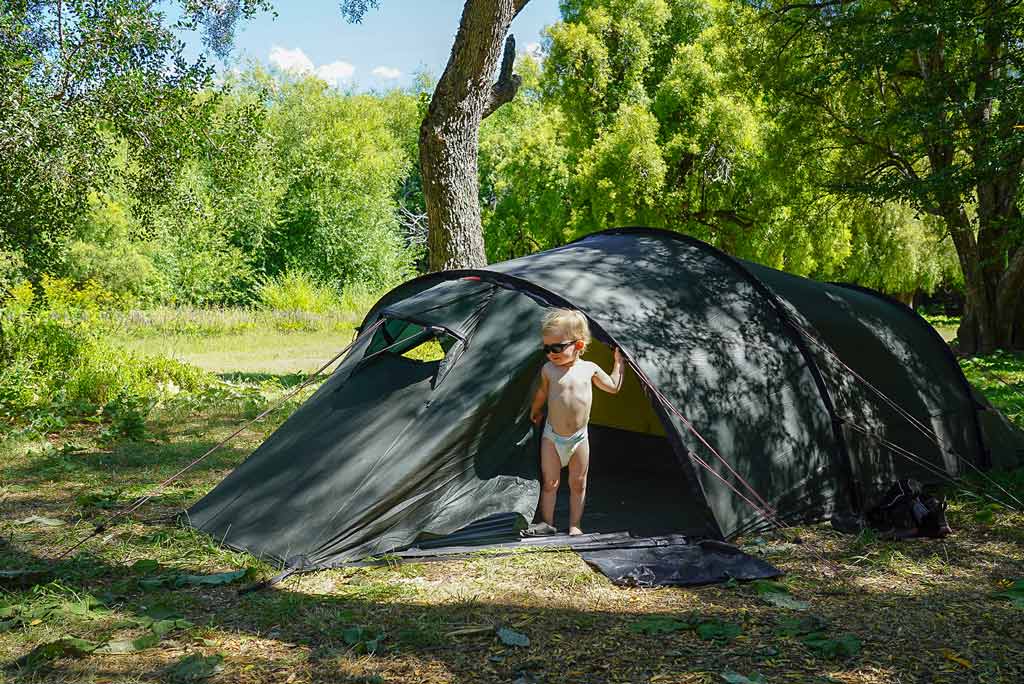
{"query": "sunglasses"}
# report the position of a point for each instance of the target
(558, 347)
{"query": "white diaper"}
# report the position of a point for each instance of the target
(565, 446)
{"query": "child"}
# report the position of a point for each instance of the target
(565, 385)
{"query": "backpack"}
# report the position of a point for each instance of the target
(906, 511)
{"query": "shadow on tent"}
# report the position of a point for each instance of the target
(635, 506)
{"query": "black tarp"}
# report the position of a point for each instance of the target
(747, 369)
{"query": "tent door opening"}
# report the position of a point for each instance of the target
(635, 482)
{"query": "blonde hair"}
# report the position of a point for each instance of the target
(569, 322)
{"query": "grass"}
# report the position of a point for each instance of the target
(945, 325)
(239, 341)
(1000, 377)
(920, 611)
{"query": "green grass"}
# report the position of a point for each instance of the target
(240, 342)
(1000, 377)
(919, 610)
(945, 325)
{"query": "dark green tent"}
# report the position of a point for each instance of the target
(753, 389)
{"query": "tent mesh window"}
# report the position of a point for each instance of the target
(399, 337)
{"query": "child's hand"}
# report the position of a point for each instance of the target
(535, 416)
(618, 357)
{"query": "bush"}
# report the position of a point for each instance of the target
(57, 365)
(106, 253)
(296, 290)
(12, 269)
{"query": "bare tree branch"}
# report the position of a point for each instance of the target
(508, 83)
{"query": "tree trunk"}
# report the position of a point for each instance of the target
(906, 298)
(994, 284)
(991, 259)
(449, 135)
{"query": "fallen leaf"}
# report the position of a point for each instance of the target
(718, 631)
(195, 667)
(63, 648)
(470, 629)
(844, 645)
(510, 637)
(659, 624)
(737, 678)
(40, 520)
(1014, 594)
(951, 656)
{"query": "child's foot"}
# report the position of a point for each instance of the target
(575, 531)
(539, 529)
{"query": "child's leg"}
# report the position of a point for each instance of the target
(551, 470)
(579, 464)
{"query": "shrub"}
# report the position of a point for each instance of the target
(12, 269)
(107, 253)
(297, 290)
(57, 366)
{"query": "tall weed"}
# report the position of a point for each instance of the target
(296, 290)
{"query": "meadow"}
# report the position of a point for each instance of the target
(148, 599)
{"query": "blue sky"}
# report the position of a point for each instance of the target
(384, 51)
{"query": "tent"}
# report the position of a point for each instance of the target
(753, 395)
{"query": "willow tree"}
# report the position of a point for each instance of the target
(925, 102)
(449, 134)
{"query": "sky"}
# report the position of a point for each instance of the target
(386, 50)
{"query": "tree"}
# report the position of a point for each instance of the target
(449, 134)
(662, 130)
(80, 78)
(924, 103)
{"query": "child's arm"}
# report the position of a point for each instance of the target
(539, 398)
(610, 383)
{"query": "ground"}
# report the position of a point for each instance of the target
(153, 601)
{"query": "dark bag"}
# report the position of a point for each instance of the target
(906, 510)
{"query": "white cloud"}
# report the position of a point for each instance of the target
(294, 61)
(387, 73)
(335, 72)
(534, 50)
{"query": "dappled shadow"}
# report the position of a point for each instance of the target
(382, 452)
(718, 351)
(853, 331)
(125, 463)
(307, 624)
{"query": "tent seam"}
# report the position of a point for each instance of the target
(775, 301)
(947, 352)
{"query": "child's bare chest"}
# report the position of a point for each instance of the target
(572, 382)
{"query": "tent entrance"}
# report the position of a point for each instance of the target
(635, 485)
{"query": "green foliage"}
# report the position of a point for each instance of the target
(82, 83)
(718, 630)
(644, 113)
(896, 251)
(296, 290)
(524, 174)
(917, 104)
(340, 164)
(1014, 594)
(12, 270)
(58, 366)
(104, 252)
(162, 189)
(843, 646)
